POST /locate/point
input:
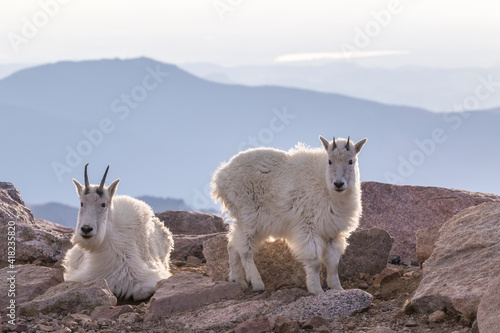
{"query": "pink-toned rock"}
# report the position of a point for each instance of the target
(465, 260)
(426, 238)
(185, 291)
(254, 325)
(35, 239)
(189, 245)
(488, 312)
(402, 210)
(70, 297)
(286, 325)
(192, 223)
(110, 312)
(367, 253)
(386, 276)
(30, 281)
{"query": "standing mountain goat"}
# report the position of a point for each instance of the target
(309, 197)
(118, 239)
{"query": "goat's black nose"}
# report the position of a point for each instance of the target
(86, 229)
(338, 184)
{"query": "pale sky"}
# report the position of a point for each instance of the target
(444, 33)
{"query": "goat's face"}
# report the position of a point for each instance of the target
(95, 203)
(342, 169)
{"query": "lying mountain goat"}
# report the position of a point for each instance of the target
(309, 197)
(118, 239)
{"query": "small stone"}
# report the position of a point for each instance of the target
(437, 316)
(193, 261)
(380, 329)
(394, 259)
(351, 325)
(63, 330)
(315, 322)
(363, 285)
(286, 325)
(129, 318)
(411, 323)
(45, 328)
(254, 325)
(321, 329)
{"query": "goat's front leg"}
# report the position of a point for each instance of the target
(312, 275)
(331, 258)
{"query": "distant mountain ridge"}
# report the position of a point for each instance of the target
(164, 131)
(67, 215)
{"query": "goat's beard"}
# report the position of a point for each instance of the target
(89, 244)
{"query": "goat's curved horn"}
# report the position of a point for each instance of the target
(347, 144)
(334, 144)
(101, 187)
(86, 180)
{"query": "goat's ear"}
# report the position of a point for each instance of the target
(325, 142)
(112, 188)
(79, 187)
(360, 145)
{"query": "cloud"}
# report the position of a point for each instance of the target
(298, 57)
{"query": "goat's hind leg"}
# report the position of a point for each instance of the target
(236, 273)
(243, 244)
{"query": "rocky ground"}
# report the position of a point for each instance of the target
(391, 290)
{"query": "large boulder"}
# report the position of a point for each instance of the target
(70, 297)
(367, 253)
(488, 312)
(402, 210)
(185, 291)
(29, 282)
(426, 238)
(465, 260)
(39, 240)
(192, 223)
(189, 245)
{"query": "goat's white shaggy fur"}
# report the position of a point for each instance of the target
(309, 197)
(130, 248)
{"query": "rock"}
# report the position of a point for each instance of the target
(437, 316)
(426, 238)
(315, 322)
(70, 297)
(367, 253)
(329, 305)
(488, 312)
(185, 291)
(474, 328)
(381, 330)
(189, 245)
(394, 259)
(465, 260)
(41, 240)
(386, 276)
(45, 328)
(30, 281)
(286, 325)
(193, 261)
(192, 223)
(254, 325)
(129, 318)
(411, 323)
(402, 210)
(110, 312)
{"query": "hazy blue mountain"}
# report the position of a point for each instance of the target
(429, 88)
(67, 215)
(169, 139)
(56, 212)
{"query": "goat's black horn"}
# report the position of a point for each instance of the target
(347, 144)
(86, 180)
(101, 187)
(334, 144)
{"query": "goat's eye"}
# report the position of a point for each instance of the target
(81, 204)
(103, 205)
(330, 162)
(350, 161)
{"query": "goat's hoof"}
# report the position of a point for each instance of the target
(260, 291)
